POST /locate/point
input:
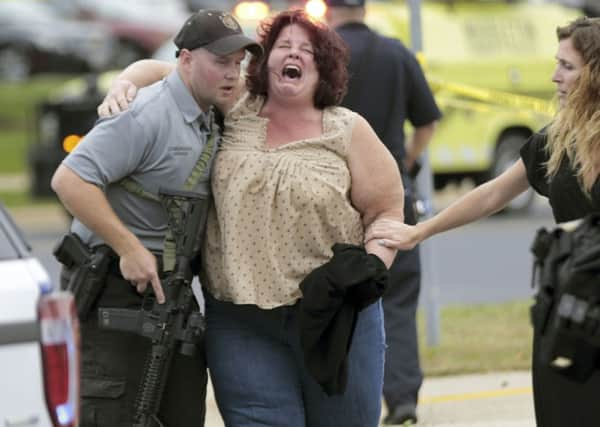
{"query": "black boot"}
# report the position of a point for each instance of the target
(401, 415)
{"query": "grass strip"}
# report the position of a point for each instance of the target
(17, 118)
(479, 338)
(14, 199)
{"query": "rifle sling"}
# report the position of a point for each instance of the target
(192, 180)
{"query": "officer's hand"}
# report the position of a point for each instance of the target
(139, 267)
(118, 98)
(393, 234)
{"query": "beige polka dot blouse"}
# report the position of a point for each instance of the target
(280, 210)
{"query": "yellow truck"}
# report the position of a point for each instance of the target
(489, 64)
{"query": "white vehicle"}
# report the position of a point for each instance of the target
(39, 340)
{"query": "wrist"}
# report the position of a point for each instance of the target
(421, 232)
(126, 244)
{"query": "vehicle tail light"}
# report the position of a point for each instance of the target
(60, 356)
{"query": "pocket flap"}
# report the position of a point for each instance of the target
(108, 388)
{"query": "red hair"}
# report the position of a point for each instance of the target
(330, 54)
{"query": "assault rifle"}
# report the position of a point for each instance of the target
(175, 323)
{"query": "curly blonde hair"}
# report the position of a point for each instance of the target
(575, 130)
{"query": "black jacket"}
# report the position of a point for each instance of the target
(333, 294)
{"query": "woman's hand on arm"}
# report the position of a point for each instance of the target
(377, 191)
(118, 98)
(124, 88)
(393, 234)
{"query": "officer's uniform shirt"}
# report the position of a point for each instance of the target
(395, 90)
(156, 143)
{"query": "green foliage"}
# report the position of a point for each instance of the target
(479, 338)
(17, 111)
(12, 199)
(18, 99)
(13, 151)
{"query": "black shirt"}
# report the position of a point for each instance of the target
(567, 199)
(393, 86)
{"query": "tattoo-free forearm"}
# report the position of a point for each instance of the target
(146, 71)
(478, 203)
(419, 141)
(88, 204)
(386, 254)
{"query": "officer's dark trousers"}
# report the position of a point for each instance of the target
(403, 376)
(562, 402)
(112, 367)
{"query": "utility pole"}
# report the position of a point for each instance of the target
(425, 190)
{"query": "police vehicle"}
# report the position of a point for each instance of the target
(39, 340)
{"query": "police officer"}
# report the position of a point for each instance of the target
(387, 87)
(155, 143)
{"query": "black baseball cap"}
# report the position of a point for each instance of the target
(216, 31)
(346, 3)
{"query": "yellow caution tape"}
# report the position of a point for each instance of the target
(488, 96)
(493, 97)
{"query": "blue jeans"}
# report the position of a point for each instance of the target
(260, 379)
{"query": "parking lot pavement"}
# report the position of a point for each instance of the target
(481, 400)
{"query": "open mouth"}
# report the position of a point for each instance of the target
(227, 89)
(292, 72)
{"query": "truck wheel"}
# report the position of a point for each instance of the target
(507, 153)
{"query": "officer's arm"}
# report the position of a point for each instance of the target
(124, 88)
(420, 139)
(88, 204)
(376, 190)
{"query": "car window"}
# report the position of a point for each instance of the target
(7, 251)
